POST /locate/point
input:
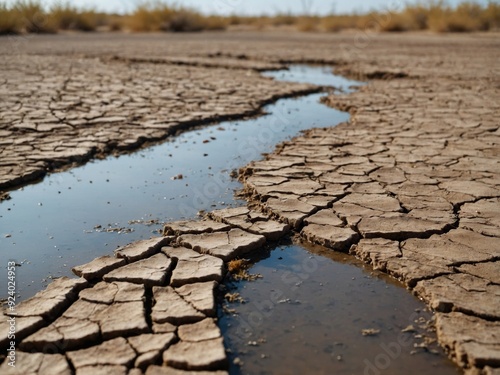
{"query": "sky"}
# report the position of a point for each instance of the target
(255, 7)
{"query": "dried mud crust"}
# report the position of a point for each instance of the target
(410, 185)
(150, 309)
(58, 111)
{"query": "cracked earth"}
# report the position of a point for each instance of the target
(410, 185)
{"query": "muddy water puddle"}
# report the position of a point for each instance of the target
(315, 311)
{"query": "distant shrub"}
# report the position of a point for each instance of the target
(395, 22)
(341, 22)
(466, 17)
(216, 23)
(491, 15)
(9, 20)
(185, 21)
(33, 18)
(156, 16)
(284, 19)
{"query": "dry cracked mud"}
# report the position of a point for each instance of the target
(411, 184)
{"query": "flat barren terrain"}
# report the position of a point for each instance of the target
(411, 184)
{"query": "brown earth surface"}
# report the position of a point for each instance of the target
(411, 184)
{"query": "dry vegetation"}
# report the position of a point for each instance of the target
(27, 16)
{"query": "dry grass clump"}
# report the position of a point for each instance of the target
(466, 17)
(32, 17)
(157, 16)
(67, 17)
(9, 21)
(437, 16)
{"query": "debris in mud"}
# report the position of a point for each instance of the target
(237, 265)
(145, 222)
(244, 275)
(238, 270)
(111, 229)
(227, 310)
(234, 297)
(370, 332)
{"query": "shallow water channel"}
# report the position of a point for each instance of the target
(306, 313)
(72, 217)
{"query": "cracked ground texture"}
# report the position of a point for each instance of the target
(411, 184)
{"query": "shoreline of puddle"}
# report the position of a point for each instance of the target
(64, 207)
